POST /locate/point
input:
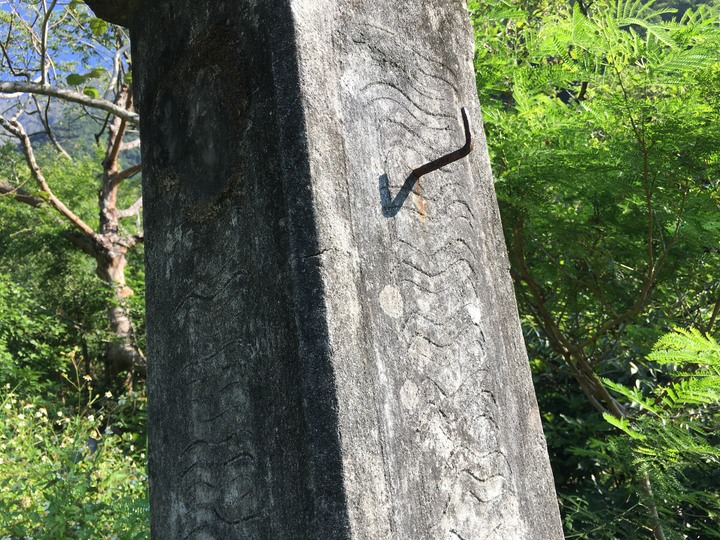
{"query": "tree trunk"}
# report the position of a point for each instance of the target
(122, 352)
(334, 346)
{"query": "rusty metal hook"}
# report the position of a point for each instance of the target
(452, 156)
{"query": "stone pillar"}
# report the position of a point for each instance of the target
(331, 354)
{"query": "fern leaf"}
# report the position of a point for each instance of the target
(624, 425)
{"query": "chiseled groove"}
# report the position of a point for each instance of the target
(214, 354)
(200, 481)
(483, 480)
(203, 399)
(490, 393)
(243, 455)
(203, 442)
(429, 340)
(412, 209)
(231, 384)
(492, 456)
(437, 385)
(193, 295)
(436, 322)
(218, 415)
(205, 526)
(239, 456)
(434, 275)
(414, 131)
(197, 529)
(417, 138)
(218, 488)
(447, 427)
(189, 469)
(402, 43)
(225, 395)
(226, 483)
(201, 378)
(477, 497)
(437, 292)
(447, 246)
(440, 78)
(493, 533)
(411, 87)
(213, 277)
(212, 294)
(418, 319)
(471, 377)
(466, 206)
(236, 521)
(436, 227)
(462, 330)
(447, 284)
(403, 103)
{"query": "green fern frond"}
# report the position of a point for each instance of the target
(685, 62)
(633, 395)
(637, 9)
(624, 425)
(686, 347)
(658, 31)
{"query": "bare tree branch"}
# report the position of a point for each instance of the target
(130, 145)
(21, 195)
(69, 95)
(45, 121)
(119, 176)
(713, 316)
(15, 128)
(44, 39)
(128, 212)
(573, 354)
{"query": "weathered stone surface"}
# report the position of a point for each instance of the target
(323, 361)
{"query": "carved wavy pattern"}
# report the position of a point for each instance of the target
(217, 468)
(219, 472)
(436, 352)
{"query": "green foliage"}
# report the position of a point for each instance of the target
(29, 339)
(97, 26)
(53, 306)
(51, 283)
(53, 322)
(62, 475)
(604, 133)
(672, 433)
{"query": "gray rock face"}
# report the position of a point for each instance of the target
(334, 350)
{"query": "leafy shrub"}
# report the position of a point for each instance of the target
(66, 472)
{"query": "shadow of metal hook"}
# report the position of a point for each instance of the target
(452, 156)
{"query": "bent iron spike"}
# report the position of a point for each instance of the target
(452, 156)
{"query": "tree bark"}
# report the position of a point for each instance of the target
(334, 348)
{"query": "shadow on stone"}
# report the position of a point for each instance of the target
(391, 206)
